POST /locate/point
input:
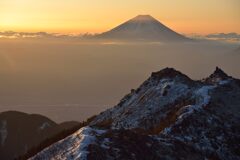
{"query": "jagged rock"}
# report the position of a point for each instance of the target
(169, 116)
(218, 76)
(168, 73)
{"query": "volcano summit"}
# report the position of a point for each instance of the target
(143, 27)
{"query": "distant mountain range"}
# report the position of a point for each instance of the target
(143, 27)
(170, 116)
(20, 132)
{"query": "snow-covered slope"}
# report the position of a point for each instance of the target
(169, 116)
(143, 27)
(73, 147)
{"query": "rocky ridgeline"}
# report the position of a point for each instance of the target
(169, 116)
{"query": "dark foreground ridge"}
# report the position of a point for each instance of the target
(169, 116)
(169, 73)
(21, 132)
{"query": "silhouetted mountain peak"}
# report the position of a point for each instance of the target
(217, 76)
(143, 27)
(219, 73)
(168, 73)
(143, 18)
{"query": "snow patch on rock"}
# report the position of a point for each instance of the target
(73, 147)
(152, 96)
(202, 99)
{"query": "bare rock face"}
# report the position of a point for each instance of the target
(169, 116)
(217, 76)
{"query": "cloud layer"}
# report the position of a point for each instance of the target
(12, 34)
(230, 37)
(225, 36)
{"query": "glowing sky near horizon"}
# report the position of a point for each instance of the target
(81, 16)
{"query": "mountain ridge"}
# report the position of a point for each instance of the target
(169, 116)
(20, 132)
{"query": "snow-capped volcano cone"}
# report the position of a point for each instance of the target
(143, 27)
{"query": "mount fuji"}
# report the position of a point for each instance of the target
(143, 27)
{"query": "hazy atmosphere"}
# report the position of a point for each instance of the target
(72, 73)
(74, 79)
(79, 16)
(119, 80)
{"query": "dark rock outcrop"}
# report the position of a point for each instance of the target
(169, 116)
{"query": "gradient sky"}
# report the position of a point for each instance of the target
(81, 16)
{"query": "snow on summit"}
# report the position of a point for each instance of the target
(143, 27)
(142, 18)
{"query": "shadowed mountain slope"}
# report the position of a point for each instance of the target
(143, 27)
(168, 117)
(20, 132)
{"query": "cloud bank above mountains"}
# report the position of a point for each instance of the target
(225, 36)
(12, 34)
(229, 37)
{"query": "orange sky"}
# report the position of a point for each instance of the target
(81, 16)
